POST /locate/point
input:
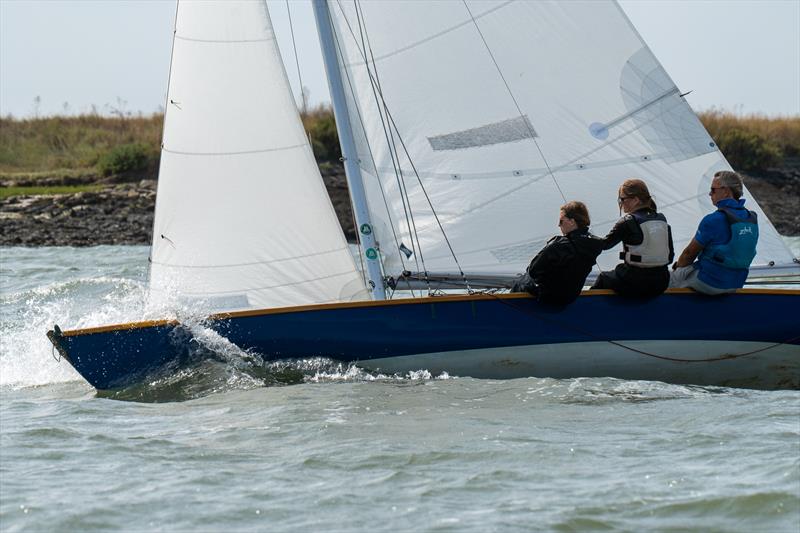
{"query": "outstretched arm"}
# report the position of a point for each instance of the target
(689, 254)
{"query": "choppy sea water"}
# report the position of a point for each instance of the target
(233, 445)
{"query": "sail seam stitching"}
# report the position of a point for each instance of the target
(234, 265)
(248, 289)
(224, 41)
(265, 150)
(434, 36)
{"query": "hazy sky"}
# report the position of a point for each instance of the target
(739, 55)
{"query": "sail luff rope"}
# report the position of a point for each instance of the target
(416, 173)
(369, 148)
(296, 61)
(163, 129)
(514, 99)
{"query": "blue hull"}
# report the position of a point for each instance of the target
(751, 338)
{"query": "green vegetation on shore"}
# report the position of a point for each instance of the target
(59, 144)
(5, 192)
(94, 145)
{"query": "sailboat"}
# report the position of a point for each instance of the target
(464, 125)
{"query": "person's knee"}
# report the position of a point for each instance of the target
(682, 276)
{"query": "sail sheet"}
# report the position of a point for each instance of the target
(242, 219)
(475, 120)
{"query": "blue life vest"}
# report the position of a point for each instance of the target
(739, 251)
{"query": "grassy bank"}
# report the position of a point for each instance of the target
(93, 144)
(5, 192)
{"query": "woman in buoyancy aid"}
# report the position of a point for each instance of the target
(647, 245)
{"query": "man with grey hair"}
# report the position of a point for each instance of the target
(724, 245)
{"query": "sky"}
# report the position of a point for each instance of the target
(70, 56)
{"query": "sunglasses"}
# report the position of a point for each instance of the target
(622, 199)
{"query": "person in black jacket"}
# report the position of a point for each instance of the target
(647, 245)
(557, 273)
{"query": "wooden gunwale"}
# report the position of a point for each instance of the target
(380, 303)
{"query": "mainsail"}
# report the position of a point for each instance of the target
(476, 119)
(242, 219)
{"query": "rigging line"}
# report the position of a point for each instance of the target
(377, 175)
(514, 99)
(582, 331)
(389, 136)
(375, 83)
(369, 147)
(419, 180)
(433, 211)
(296, 61)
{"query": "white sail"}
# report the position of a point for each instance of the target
(242, 218)
(501, 111)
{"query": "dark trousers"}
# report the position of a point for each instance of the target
(634, 282)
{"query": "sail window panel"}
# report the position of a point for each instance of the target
(654, 104)
(222, 105)
(226, 21)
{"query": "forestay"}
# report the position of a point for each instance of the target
(242, 217)
(505, 110)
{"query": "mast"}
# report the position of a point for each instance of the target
(354, 179)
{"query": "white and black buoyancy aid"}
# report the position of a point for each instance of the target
(654, 249)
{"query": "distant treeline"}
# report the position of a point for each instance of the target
(101, 145)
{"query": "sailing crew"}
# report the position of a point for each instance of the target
(724, 245)
(647, 245)
(557, 274)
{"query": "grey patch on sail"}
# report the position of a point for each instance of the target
(664, 119)
(517, 253)
(505, 131)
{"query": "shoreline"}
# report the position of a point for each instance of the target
(121, 211)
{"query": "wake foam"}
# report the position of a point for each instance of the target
(26, 356)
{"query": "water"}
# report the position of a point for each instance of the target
(233, 444)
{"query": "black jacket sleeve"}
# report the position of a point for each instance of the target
(625, 230)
